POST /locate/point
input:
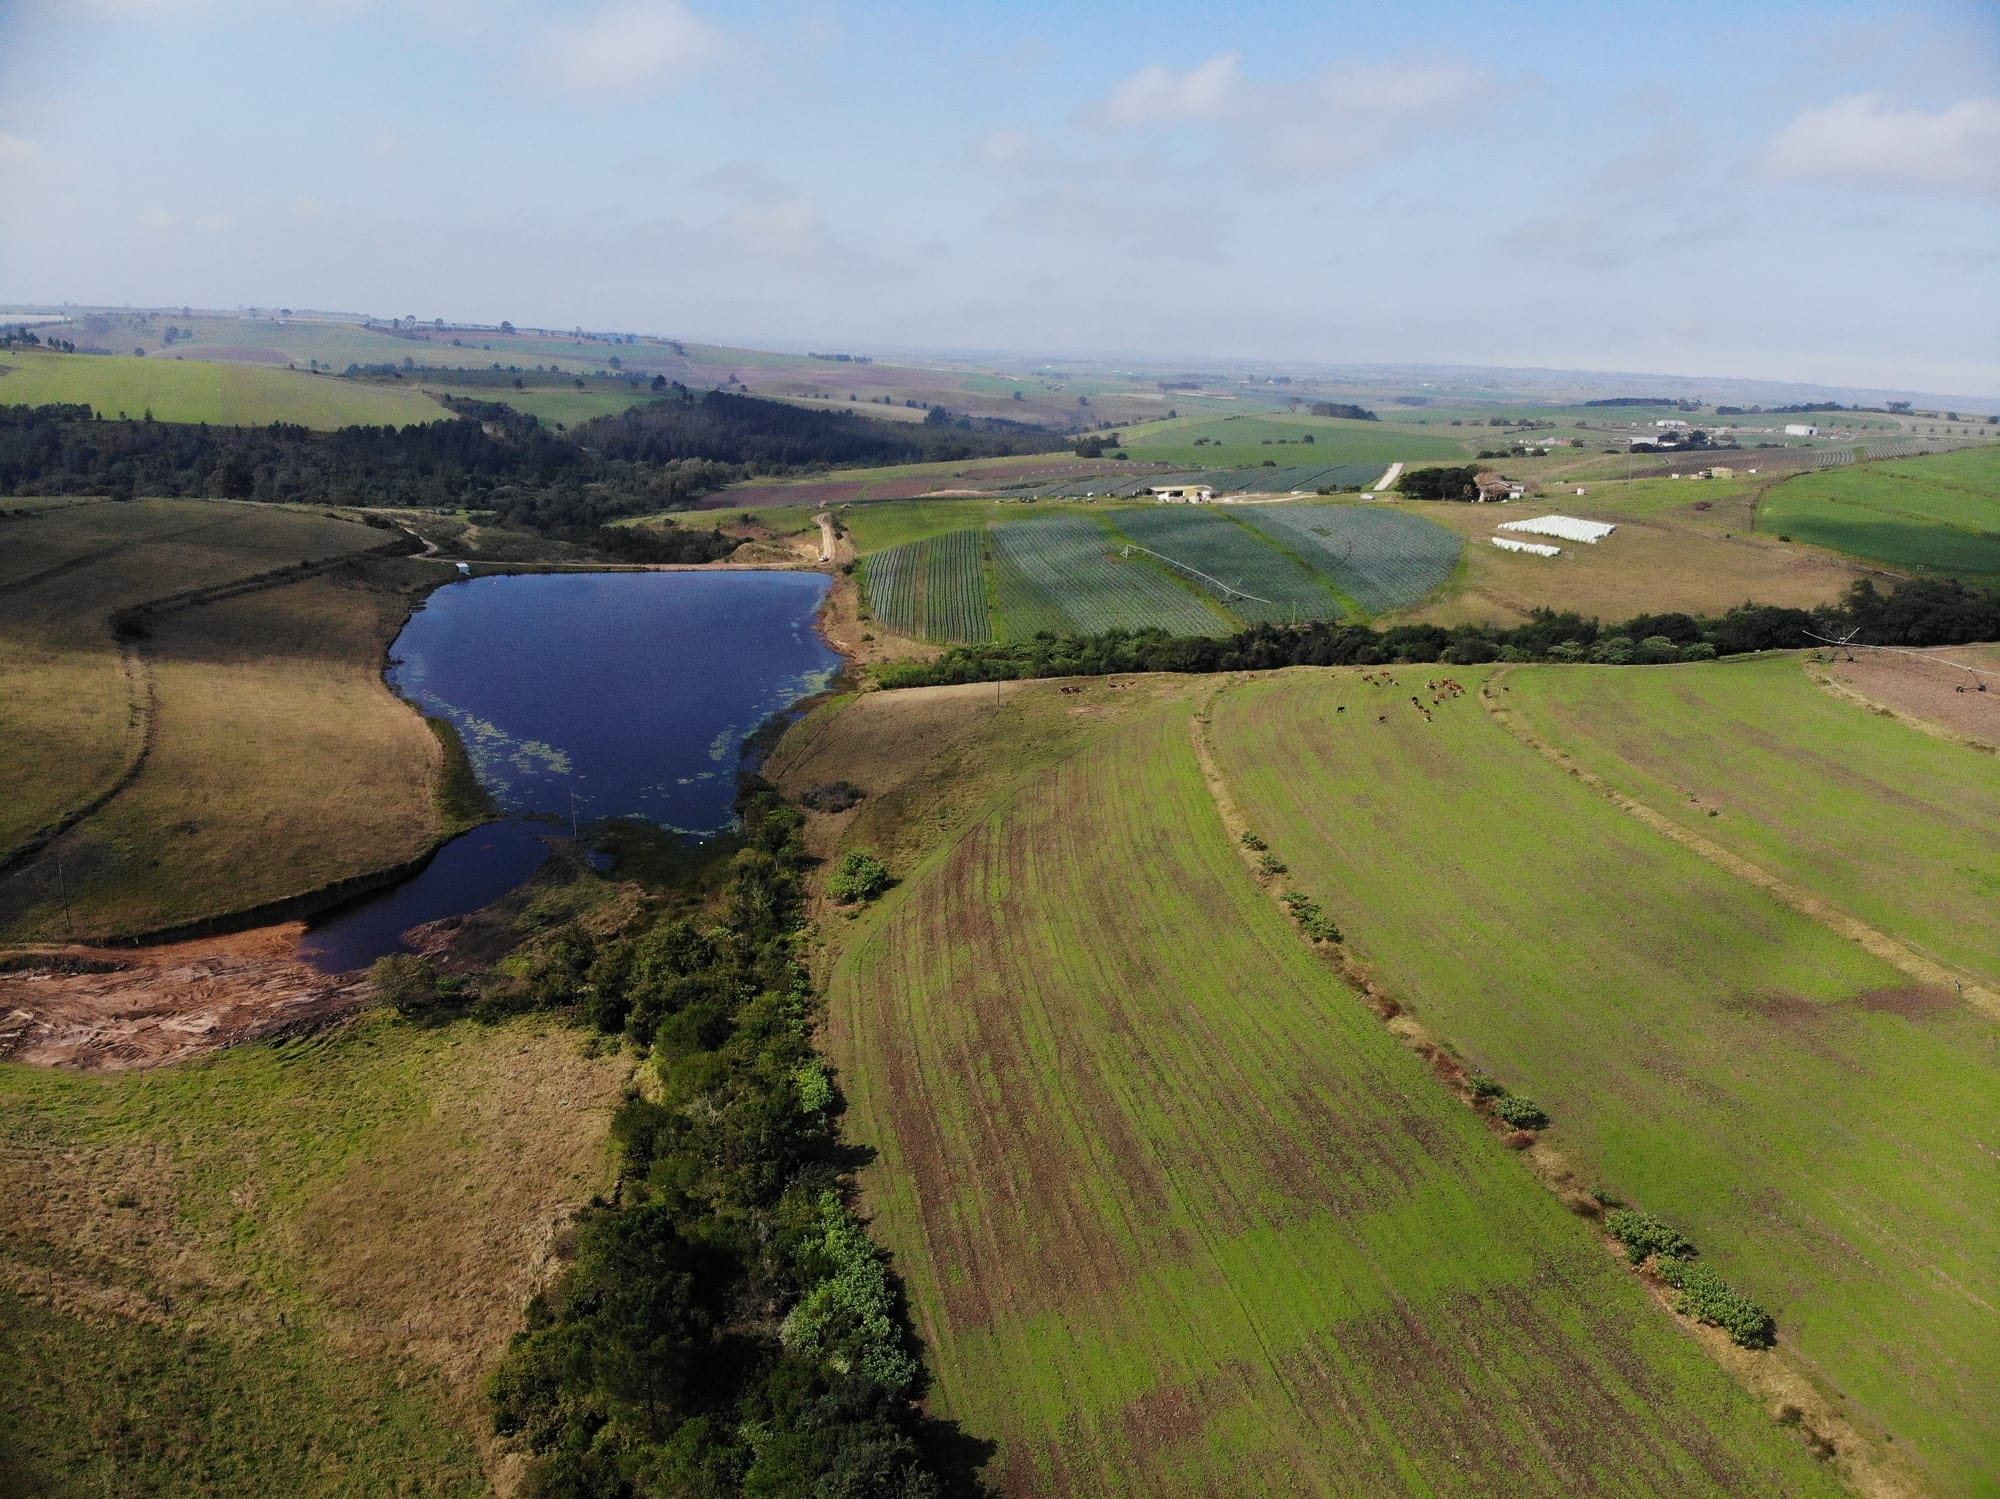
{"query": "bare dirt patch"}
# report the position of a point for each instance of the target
(146, 1007)
(1932, 691)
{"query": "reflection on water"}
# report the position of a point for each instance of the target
(582, 696)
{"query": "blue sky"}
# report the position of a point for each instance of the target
(1758, 190)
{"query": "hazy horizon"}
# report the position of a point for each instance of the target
(1728, 193)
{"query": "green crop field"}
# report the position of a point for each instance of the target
(1287, 587)
(1938, 515)
(1062, 574)
(1246, 440)
(1212, 571)
(1176, 1212)
(285, 1268)
(183, 390)
(933, 589)
(1898, 829)
(1817, 1124)
(211, 711)
(1382, 559)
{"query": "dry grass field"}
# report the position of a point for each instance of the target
(287, 1267)
(1681, 544)
(199, 734)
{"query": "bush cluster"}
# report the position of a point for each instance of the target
(857, 877)
(1699, 1292)
(1521, 1113)
(1312, 919)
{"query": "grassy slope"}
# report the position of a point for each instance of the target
(1894, 827)
(179, 390)
(65, 713)
(250, 691)
(285, 1268)
(1702, 1049)
(1939, 514)
(1150, 1172)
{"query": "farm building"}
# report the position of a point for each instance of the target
(1182, 494)
(1492, 487)
(1800, 429)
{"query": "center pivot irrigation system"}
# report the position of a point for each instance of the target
(1228, 590)
(1846, 643)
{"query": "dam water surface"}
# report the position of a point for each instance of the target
(583, 696)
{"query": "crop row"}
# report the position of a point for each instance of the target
(1240, 558)
(1059, 574)
(1382, 559)
(934, 589)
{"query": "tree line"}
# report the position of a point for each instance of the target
(1925, 612)
(725, 1326)
(663, 455)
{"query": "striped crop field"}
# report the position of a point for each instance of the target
(1817, 1119)
(1061, 574)
(1938, 515)
(934, 589)
(1382, 559)
(1899, 829)
(1178, 1215)
(1242, 559)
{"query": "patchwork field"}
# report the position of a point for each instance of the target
(1938, 515)
(1190, 570)
(285, 1268)
(1818, 1122)
(181, 748)
(1176, 1212)
(177, 390)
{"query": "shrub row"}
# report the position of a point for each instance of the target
(1699, 1292)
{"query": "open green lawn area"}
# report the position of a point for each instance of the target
(1247, 440)
(1894, 827)
(284, 1268)
(1177, 1213)
(1821, 1128)
(183, 390)
(1937, 515)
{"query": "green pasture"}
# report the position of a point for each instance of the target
(1247, 440)
(185, 390)
(282, 1268)
(1821, 1130)
(1177, 1214)
(1893, 826)
(1938, 514)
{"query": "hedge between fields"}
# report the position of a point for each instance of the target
(1925, 612)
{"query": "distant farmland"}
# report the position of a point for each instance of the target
(1186, 569)
(1179, 1216)
(176, 390)
(1938, 515)
(1813, 1116)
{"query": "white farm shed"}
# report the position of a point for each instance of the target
(1800, 429)
(1182, 494)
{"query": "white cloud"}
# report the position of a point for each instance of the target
(1863, 139)
(1358, 112)
(156, 219)
(632, 46)
(18, 152)
(1156, 95)
(1007, 148)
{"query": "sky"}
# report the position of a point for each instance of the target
(1755, 190)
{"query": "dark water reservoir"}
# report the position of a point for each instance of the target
(585, 696)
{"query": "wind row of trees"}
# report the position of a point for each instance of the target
(726, 1326)
(1921, 613)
